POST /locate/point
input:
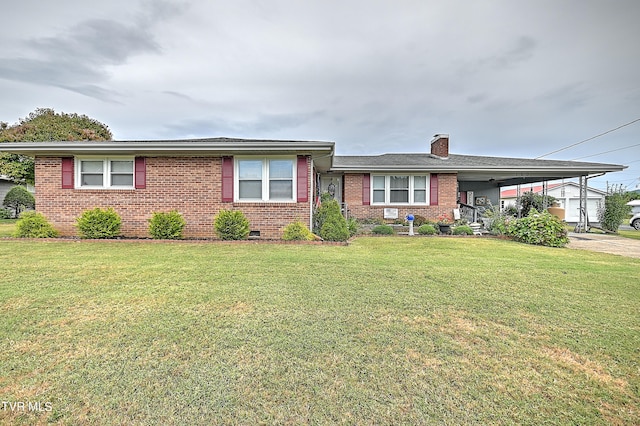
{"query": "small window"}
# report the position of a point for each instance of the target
(91, 173)
(105, 173)
(121, 173)
(280, 179)
(399, 189)
(378, 189)
(250, 179)
(420, 189)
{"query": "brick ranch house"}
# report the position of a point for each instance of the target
(273, 182)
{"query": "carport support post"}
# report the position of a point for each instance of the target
(581, 227)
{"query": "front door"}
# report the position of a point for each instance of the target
(332, 185)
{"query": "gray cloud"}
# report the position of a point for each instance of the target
(502, 77)
(77, 60)
(522, 51)
(260, 124)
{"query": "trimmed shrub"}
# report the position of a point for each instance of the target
(6, 214)
(231, 225)
(34, 225)
(167, 226)
(334, 226)
(297, 231)
(98, 223)
(19, 199)
(427, 229)
(383, 230)
(462, 230)
(539, 229)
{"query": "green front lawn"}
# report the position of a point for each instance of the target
(635, 234)
(384, 331)
(7, 227)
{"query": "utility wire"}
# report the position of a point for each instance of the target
(587, 140)
(606, 152)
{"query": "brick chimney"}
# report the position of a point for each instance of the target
(440, 146)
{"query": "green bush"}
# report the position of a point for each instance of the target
(231, 225)
(373, 221)
(98, 223)
(34, 225)
(297, 231)
(334, 226)
(614, 210)
(418, 220)
(352, 226)
(6, 214)
(383, 230)
(167, 226)
(427, 229)
(462, 230)
(19, 199)
(539, 229)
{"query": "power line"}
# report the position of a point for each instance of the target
(587, 140)
(606, 152)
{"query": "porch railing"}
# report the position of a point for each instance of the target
(468, 212)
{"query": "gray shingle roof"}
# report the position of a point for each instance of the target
(501, 170)
(454, 162)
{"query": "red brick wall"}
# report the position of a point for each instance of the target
(447, 199)
(190, 185)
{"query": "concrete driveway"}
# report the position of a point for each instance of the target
(605, 243)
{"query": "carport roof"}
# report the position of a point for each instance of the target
(502, 170)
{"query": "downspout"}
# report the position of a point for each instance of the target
(311, 192)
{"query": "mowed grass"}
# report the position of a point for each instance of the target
(7, 227)
(634, 234)
(384, 331)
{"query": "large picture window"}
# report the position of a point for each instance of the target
(265, 179)
(110, 173)
(399, 189)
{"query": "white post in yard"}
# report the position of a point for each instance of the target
(410, 219)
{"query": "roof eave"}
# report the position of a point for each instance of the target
(166, 148)
(587, 169)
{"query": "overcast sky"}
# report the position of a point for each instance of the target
(502, 77)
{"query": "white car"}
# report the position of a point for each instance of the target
(635, 219)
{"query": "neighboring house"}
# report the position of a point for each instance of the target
(273, 182)
(5, 185)
(567, 195)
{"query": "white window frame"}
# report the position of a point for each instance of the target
(412, 189)
(265, 179)
(106, 172)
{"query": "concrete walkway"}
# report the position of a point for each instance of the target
(605, 243)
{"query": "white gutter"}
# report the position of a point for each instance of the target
(166, 147)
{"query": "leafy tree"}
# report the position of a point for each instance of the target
(18, 199)
(44, 124)
(614, 210)
(531, 200)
